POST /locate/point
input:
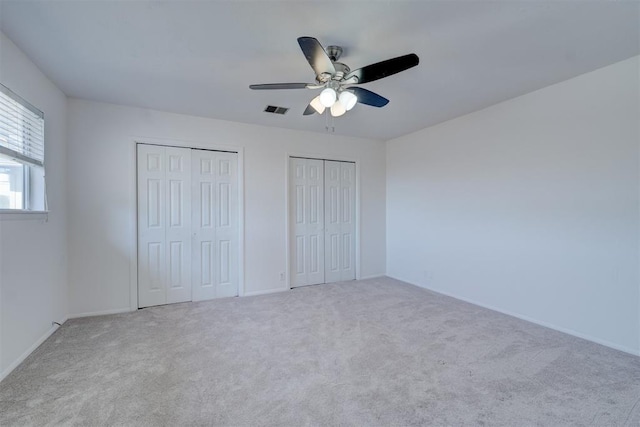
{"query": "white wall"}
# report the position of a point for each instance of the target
(33, 263)
(102, 200)
(529, 207)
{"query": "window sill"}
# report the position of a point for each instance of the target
(10, 214)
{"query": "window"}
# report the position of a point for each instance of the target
(21, 154)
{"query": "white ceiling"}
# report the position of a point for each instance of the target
(199, 57)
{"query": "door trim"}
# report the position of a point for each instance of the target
(133, 196)
(316, 156)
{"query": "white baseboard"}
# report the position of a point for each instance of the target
(529, 319)
(265, 292)
(375, 276)
(273, 291)
(100, 313)
(30, 350)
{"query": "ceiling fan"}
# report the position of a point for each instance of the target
(336, 79)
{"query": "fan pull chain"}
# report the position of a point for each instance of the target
(326, 121)
(329, 122)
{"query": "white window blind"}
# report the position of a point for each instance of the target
(21, 129)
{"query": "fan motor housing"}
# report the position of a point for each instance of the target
(341, 68)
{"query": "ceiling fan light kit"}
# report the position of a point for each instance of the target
(317, 105)
(337, 109)
(348, 99)
(328, 97)
(337, 81)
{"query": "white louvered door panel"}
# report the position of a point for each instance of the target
(307, 221)
(215, 225)
(178, 229)
(151, 226)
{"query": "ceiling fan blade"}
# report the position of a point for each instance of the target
(382, 69)
(279, 86)
(316, 55)
(309, 110)
(369, 98)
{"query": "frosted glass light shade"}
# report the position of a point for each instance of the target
(328, 97)
(348, 100)
(317, 105)
(337, 109)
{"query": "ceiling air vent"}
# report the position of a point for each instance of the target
(275, 110)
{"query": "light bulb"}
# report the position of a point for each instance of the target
(317, 105)
(337, 109)
(348, 100)
(328, 97)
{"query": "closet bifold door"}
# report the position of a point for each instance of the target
(306, 196)
(214, 224)
(164, 225)
(339, 194)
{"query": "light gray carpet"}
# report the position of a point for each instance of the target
(373, 352)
